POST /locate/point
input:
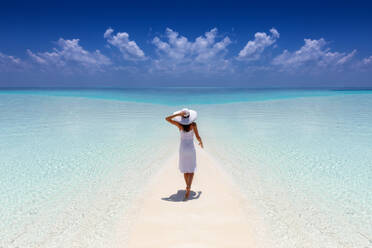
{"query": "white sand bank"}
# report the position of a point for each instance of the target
(212, 217)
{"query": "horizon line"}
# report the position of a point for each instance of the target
(184, 87)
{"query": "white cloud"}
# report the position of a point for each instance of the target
(254, 48)
(364, 64)
(108, 33)
(8, 62)
(9, 59)
(129, 49)
(312, 53)
(37, 58)
(367, 61)
(179, 54)
(70, 52)
(345, 58)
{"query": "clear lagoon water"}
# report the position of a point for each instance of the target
(73, 160)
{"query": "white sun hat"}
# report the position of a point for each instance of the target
(187, 119)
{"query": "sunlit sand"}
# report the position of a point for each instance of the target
(213, 216)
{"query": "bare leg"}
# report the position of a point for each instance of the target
(191, 176)
(187, 180)
(185, 175)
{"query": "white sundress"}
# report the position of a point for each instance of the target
(187, 155)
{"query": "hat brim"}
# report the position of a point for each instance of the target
(185, 121)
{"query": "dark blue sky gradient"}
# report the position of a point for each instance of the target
(37, 25)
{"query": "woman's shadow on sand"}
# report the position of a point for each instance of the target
(179, 196)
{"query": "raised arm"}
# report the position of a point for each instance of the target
(169, 119)
(197, 134)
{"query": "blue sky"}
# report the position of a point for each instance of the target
(186, 43)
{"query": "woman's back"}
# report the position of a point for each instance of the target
(185, 121)
(187, 160)
(187, 135)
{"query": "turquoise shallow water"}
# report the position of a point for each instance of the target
(70, 166)
(181, 96)
(304, 163)
(72, 161)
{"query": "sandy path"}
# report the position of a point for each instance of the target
(212, 217)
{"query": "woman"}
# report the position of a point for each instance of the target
(185, 121)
